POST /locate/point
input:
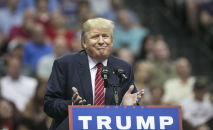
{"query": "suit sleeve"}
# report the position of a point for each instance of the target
(55, 104)
(131, 80)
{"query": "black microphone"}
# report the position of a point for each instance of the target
(105, 75)
(120, 73)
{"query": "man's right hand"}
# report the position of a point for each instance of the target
(76, 99)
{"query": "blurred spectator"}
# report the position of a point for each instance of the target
(36, 48)
(192, 13)
(111, 13)
(84, 13)
(23, 32)
(10, 17)
(69, 8)
(99, 6)
(142, 71)
(24, 124)
(16, 87)
(157, 93)
(115, 6)
(34, 108)
(126, 55)
(162, 67)
(42, 15)
(146, 51)
(45, 63)
(180, 88)
(8, 115)
(127, 34)
(58, 28)
(198, 110)
(206, 20)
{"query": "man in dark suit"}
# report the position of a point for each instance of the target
(75, 78)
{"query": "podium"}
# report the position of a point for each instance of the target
(122, 117)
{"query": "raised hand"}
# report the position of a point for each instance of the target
(76, 99)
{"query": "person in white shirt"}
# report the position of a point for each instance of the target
(180, 88)
(198, 110)
(15, 87)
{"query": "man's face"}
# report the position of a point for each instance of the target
(98, 44)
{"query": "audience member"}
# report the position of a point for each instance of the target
(163, 68)
(198, 110)
(35, 49)
(179, 88)
(58, 28)
(23, 32)
(16, 87)
(127, 34)
(10, 16)
(34, 108)
(42, 15)
(142, 74)
(8, 114)
(146, 51)
(126, 55)
(46, 62)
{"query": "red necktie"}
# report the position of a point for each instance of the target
(99, 86)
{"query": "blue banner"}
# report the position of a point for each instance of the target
(125, 118)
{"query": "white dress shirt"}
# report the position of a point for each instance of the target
(93, 70)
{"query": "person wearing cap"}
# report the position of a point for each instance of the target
(76, 77)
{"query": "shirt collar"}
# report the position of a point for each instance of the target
(93, 62)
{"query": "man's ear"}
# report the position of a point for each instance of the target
(83, 43)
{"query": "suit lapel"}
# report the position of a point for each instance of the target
(85, 77)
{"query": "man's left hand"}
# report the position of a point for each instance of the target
(132, 99)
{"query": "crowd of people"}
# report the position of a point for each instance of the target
(33, 33)
(196, 15)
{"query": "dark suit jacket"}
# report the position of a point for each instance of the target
(73, 70)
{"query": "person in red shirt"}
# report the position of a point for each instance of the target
(58, 28)
(23, 33)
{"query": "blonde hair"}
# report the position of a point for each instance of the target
(96, 23)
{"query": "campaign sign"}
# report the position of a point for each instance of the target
(125, 118)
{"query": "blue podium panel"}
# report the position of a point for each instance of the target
(125, 118)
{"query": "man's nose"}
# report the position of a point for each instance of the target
(101, 40)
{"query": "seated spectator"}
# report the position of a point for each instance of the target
(58, 28)
(34, 108)
(16, 87)
(42, 13)
(156, 98)
(23, 32)
(9, 17)
(35, 49)
(179, 88)
(126, 55)
(8, 114)
(198, 110)
(162, 67)
(69, 8)
(142, 74)
(146, 51)
(115, 6)
(46, 62)
(127, 34)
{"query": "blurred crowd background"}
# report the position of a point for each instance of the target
(169, 43)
